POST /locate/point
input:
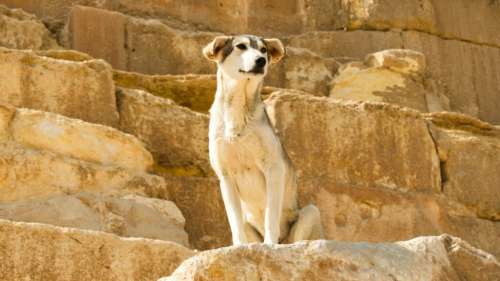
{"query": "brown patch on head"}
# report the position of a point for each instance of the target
(219, 48)
(275, 49)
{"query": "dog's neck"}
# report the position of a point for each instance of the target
(239, 99)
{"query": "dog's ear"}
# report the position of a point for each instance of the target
(275, 49)
(213, 48)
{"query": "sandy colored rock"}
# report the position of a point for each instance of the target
(100, 33)
(41, 252)
(177, 136)
(449, 19)
(372, 214)
(193, 91)
(6, 114)
(469, 151)
(394, 76)
(356, 144)
(303, 70)
(466, 70)
(82, 90)
(200, 202)
(423, 258)
(128, 216)
(153, 47)
(80, 140)
(20, 30)
(470, 263)
(30, 173)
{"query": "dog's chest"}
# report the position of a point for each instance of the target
(246, 152)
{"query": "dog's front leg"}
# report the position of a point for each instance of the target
(233, 210)
(275, 188)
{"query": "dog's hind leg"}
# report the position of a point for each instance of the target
(308, 225)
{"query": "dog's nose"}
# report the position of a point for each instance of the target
(260, 62)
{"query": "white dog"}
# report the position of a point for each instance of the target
(257, 179)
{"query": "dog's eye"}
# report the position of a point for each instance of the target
(263, 50)
(241, 46)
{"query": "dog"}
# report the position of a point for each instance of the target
(257, 180)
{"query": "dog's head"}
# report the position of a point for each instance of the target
(244, 56)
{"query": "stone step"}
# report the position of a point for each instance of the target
(31, 251)
(153, 47)
(75, 138)
(450, 19)
(440, 258)
(20, 30)
(77, 89)
(177, 136)
(375, 144)
(45, 153)
(126, 216)
(468, 71)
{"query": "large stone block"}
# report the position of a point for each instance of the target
(394, 76)
(39, 252)
(128, 216)
(20, 30)
(442, 258)
(80, 140)
(177, 136)
(356, 144)
(470, 72)
(83, 90)
(469, 151)
(30, 173)
(350, 213)
(467, 71)
(153, 47)
(100, 33)
(200, 202)
(193, 91)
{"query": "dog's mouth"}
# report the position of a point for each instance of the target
(253, 71)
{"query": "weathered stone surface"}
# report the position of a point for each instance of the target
(82, 90)
(467, 70)
(177, 136)
(41, 252)
(129, 216)
(423, 258)
(152, 47)
(193, 91)
(392, 76)
(80, 140)
(470, 72)
(303, 70)
(20, 30)
(350, 213)
(469, 151)
(356, 144)
(30, 173)
(450, 19)
(100, 33)
(200, 202)
(7, 112)
(470, 263)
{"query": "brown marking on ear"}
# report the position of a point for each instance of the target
(275, 49)
(212, 50)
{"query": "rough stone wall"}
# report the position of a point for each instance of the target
(383, 107)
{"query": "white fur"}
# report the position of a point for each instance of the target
(256, 177)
